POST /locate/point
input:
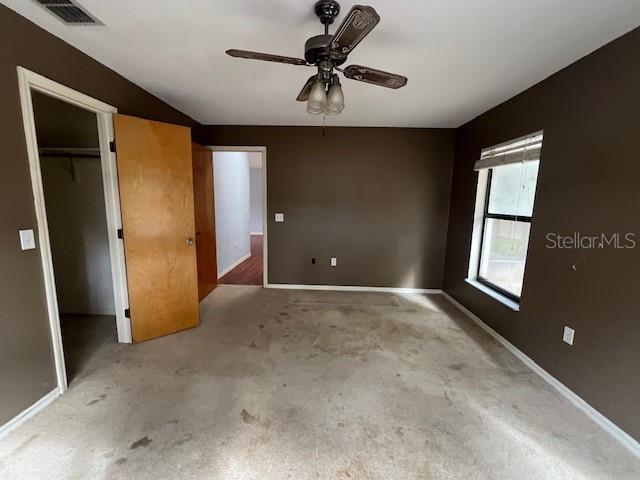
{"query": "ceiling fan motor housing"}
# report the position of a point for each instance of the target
(316, 50)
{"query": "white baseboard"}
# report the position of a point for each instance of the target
(353, 288)
(255, 233)
(233, 265)
(616, 432)
(26, 414)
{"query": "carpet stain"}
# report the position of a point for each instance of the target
(108, 454)
(254, 419)
(187, 437)
(99, 399)
(142, 442)
(187, 370)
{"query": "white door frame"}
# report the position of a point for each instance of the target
(28, 81)
(265, 243)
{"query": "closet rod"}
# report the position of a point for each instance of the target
(69, 155)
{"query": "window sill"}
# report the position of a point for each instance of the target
(506, 301)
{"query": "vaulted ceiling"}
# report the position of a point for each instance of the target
(462, 57)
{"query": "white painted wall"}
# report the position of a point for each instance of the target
(78, 231)
(232, 200)
(255, 194)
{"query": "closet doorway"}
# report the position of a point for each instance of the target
(71, 172)
(76, 199)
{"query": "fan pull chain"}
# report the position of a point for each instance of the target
(324, 122)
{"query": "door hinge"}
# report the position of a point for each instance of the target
(120, 234)
(112, 146)
(127, 313)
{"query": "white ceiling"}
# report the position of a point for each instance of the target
(462, 57)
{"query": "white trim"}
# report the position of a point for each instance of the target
(114, 223)
(236, 148)
(353, 288)
(265, 243)
(233, 265)
(607, 425)
(28, 81)
(497, 296)
(478, 221)
(29, 412)
(255, 233)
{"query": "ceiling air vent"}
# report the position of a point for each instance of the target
(69, 12)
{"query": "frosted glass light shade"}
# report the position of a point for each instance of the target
(317, 99)
(335, 100)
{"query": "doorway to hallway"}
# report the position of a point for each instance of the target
(239, 216)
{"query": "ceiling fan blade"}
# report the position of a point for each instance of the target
(303, 96)
(267, 57)
(360, 20)
(376, 77)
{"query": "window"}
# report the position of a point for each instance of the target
(504, 207)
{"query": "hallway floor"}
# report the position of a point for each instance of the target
(283, 384)
(248, 272)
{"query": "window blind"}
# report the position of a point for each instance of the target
(524, 149)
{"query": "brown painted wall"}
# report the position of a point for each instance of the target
(589, 182)
(375, 198)
(26, 357)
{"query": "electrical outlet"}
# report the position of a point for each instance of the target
(334, 261)
(27, 240)
(567, 335)
(279, 217)
(313, 261)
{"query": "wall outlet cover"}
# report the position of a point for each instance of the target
(334, 261)
(279, 217)
(568, 334)
(27, 240)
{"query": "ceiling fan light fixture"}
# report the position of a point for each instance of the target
(317, 99)
(327, 53)
(335, 98)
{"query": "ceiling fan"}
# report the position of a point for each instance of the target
(323, 92)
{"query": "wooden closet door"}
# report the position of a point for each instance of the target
(156, 198)
(205, 219)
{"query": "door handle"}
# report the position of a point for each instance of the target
(190, 241)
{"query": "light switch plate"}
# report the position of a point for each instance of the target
(27, 240)
(334, 261)
(279, 217)
(567, 335)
